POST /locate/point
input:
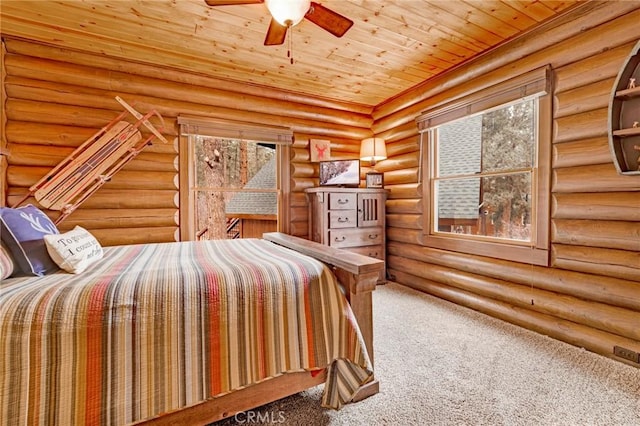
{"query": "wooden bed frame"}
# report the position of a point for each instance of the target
(358, 275)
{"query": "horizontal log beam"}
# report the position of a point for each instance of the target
(612, 291)
(583, 152)
(596, 206)
(583, 99)
(621, 264)
(576, 334)
(599, 66)
(597, 233)
(595, 178)
(145, 235)
(590, 124)
(600, 316)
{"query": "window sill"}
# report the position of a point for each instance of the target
(511, 252)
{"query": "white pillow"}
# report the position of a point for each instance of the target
(74, 250)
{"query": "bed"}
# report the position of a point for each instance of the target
(186, 333)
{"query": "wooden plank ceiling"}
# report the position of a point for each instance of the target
(392, 46)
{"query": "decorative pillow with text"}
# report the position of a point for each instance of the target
(74, 250)
(23, 229)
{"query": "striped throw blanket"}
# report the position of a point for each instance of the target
(154, 328)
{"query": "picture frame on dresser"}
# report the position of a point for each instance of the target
(375, 180)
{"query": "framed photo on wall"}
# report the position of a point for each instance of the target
(375, 180)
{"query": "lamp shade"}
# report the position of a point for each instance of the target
(373, 149)
(288, 12)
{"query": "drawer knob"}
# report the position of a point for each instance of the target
(343, 219)
(373, 236)
(338, 240)
(341, 201)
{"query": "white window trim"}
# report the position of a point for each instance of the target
(534, 83)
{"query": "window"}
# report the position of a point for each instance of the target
(233, 173)
(486, 161)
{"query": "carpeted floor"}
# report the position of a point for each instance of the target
(441, 364)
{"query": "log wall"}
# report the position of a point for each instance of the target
(590, 294)
(57, 98)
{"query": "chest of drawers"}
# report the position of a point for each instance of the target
(349, 218)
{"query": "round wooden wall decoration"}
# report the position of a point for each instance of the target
(624, 116)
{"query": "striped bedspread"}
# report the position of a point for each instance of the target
(158, 327)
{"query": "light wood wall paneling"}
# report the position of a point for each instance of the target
(596, 206)
(114, 199)
(596, 178)
(21, 176)
(411, 190)
(582, 99)
(300, 184)
(299, 214)
(612, 319)
(344, 155)
(300, 155)
(3, 125)
(585, 125)
(398, 162)
(405, 221)
(120, 218)
(299, 229)
(608, 290)
(396, 177)
(577, 334)
(599, 66)
(345, 145)
(142, 235)
(108, 63)
(597, 233)
(392, 134)
(30, 133)
(298, 199)
(583, 152)
(405, 236)
(90, 77)
(621, 264)
(45, 156)
(401, 206)
(403, 146)
(304, 170)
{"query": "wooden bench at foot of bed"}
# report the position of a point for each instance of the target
(359, 275)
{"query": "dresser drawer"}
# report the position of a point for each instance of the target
(376, 251)
(342, 201)
(343, 219)
(355, 237)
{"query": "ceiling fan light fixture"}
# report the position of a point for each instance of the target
(288, 12)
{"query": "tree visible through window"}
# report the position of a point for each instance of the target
(487, 162)
(483, 174)
(235, 180)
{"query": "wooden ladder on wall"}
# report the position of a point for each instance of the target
(93, 163)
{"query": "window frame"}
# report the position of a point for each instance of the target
(230, 129)
(536, 83)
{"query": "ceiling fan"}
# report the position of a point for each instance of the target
(287, 13)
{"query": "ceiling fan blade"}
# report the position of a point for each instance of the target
(275, 34)
(329, 20)
(231, 2)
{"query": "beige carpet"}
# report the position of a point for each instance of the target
(441, 364)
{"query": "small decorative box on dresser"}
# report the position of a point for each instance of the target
(349, 218)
